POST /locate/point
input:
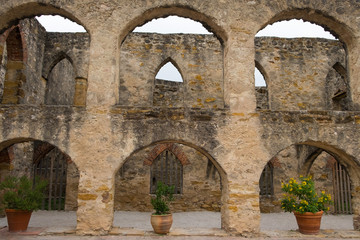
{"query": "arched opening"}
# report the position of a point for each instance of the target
(330, 174)
(298, 81)
(34, 158)
(60, 85)
(169, 86)
(25, 80)
(184, 49)
(261, 89)
(197, 182)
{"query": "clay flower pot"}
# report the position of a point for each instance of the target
(18, 220)
(161, 223)
(309, 223)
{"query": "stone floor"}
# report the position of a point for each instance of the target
(192, 225)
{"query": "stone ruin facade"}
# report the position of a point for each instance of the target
(86, 109)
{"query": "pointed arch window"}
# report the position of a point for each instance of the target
(169, 72)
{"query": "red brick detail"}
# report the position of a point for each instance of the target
(41, 150)
(275, 162)
(330, 162)
(174, 148)
(14, 45)
(4, 156)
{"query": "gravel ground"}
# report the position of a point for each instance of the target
(141, 220)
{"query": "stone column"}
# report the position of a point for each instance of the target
(244, 156)
(95, 212)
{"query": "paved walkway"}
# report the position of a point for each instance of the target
(192, 225)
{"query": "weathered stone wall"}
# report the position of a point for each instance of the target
(201, 184)
(33, 35)
(198, 57)
(297, 71)
(238, 139)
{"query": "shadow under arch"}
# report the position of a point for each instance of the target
(14, 14)
(329, 23)
(181, 11)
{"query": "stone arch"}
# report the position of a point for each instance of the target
(329, 23)
(21, 156)
(136, 172)
(306, 155)
(165, 11)
(14, 13)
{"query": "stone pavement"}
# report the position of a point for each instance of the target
(193, 226)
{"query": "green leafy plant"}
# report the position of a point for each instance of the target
(163, 196)
(301, 196)
(21, 193)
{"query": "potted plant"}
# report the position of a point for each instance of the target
(20, 197)
(161, 220)
(307, 206)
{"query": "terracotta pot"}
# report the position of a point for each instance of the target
(161, 223)
(18, 220)
(309, 223)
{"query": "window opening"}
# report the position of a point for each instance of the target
(168, 169)
(172, 25)
(266, 181)
(59, 24)
(169, 72)
(294, 29)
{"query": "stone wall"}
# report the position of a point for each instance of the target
(219, 117)
(199, 59)
(298, 71)
(34, 40)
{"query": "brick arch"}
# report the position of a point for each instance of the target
(181, 11)
(174, 148)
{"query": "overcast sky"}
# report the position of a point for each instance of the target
(174, 24)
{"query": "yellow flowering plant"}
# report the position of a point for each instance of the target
(301, 196)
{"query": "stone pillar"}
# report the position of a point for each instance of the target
(355, 201)
(80, 92)
(95, 212)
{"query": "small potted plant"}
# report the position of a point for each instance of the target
(307, 206)
(161, 220)
(19, 197)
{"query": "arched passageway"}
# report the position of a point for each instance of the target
(327, 168)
